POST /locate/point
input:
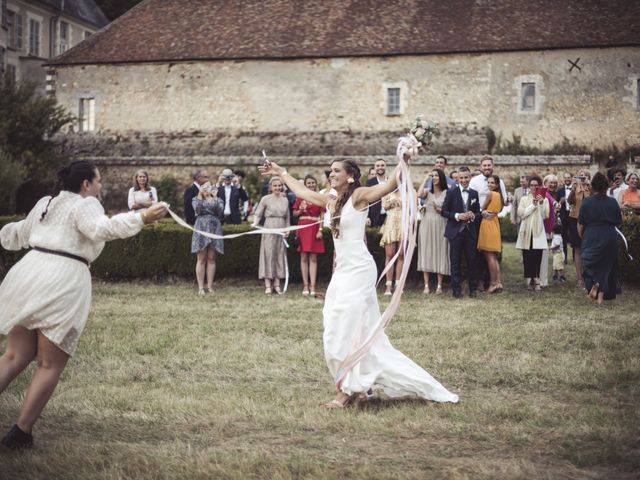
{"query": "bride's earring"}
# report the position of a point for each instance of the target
(350, 180)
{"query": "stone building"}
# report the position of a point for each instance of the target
(216, 83)
(33, 32)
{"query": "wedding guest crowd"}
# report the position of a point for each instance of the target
(459, 221)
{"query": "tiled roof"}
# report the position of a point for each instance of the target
(175, 30)
(86, 10)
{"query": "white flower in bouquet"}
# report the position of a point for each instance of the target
(423, 130)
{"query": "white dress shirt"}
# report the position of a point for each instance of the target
(465, 198)
(479, 184)
(227, 199)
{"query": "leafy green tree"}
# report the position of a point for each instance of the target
(12, 175)
(28, 120)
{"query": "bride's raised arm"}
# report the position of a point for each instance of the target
(373, 194)
(271, 168)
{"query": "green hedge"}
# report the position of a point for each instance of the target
(163, 250)
(508, 231)
(630, 270)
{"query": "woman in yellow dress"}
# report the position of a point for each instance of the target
(489, 241)
(391, 232)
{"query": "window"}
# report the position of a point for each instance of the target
(87, 34)
(18, 32)
(34, 37)
(3, 13)
(393, 101)
(64, 37)
(528, 97)
(14, 27)
(2, 61)
(87, 115)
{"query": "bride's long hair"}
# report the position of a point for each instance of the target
(352, 169)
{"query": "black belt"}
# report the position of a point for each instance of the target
(63, 254)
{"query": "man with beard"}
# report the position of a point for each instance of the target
(479, 184)
(377, 214)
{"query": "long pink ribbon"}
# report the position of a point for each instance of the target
(408, 145)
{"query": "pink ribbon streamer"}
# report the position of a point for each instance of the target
(406, 145)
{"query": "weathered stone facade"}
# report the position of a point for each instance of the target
(173, 117)
(596, 106)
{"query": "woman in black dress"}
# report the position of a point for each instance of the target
(597, 221)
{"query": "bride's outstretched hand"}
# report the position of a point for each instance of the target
(270, 168)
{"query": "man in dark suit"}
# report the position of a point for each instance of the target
(461, 208)
(200, 177)
(561, 196)
(376, 213)
(232, 197)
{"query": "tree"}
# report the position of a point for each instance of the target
(12, 175)
(28, 120)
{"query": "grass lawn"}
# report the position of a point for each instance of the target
(167, 385)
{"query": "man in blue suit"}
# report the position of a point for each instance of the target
(461, 208)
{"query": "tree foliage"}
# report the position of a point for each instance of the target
(28, 120)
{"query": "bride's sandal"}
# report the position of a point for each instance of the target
(335, 403)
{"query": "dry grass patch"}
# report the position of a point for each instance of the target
(168, 385)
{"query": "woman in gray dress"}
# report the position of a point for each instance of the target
(274, 208)
(433, 247)
(208, 209)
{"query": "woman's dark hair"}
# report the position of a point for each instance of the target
(535, 178)
(557, 228)
(309, 177)
(71, 178)
(136, 185)
(599, 183)
(352, 169)
(496, 179)
(442, 180)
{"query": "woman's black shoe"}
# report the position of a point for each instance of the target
(16, 439)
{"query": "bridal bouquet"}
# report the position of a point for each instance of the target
(423, 130)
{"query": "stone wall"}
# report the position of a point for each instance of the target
(595, 106)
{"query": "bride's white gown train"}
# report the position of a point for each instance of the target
(351, 311)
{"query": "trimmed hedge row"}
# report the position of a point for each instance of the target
(163, 250)
(630, 269)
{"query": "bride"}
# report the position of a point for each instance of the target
(351, 308)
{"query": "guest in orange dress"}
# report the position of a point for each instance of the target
(489, 241)
(631, 196)
(311, 243)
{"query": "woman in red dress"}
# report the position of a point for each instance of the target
(310, 238)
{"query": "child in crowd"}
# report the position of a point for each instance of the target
(558, 255)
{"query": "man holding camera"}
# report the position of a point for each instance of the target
(232, 197)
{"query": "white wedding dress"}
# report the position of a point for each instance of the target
(351, 311)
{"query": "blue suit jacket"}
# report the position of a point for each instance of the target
(453, 204)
